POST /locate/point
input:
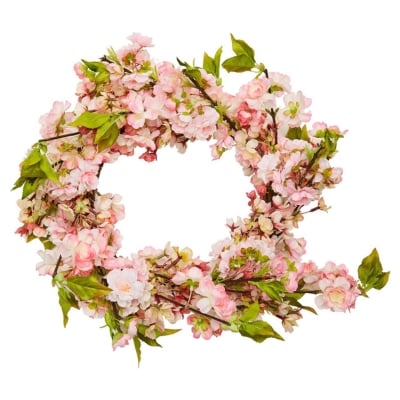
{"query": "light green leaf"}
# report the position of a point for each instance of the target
(91, 120)
(167, 332)
(102, 77)
(87, 288)
(239, 63)
(95, 66)
(258, 331)
(31, 185)
(292, 300)
(297, 133)
(66, 301)
(48, 170)
(137, 344)
(148, 341)
(251, 312)
(112, 56)
(33, 157)
(112, 323)
(240, 47)
(19, 182)
(273, 289)
(32, 171)
(108, 137)
(209, 64)
(103, 131)
(217, 61)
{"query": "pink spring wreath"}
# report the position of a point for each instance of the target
(126, 102)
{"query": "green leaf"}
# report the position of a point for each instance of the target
(87, 288)
(112, 56)
(251, 312)
(194, 74)
(107, 137)
(239, 63)
(167, 332)
(91, 120)
(19, 182)
(297, 133)
(112, 323)
(292, 300)
(95, 66)
(48, 170)
(258, 331)
(370, 267)
(240, 47)
(148, 341)
(217, 61)
(102, 77)
(32, 171)
(47, 244)
(272, 289)
(31, 186)
(370, 273)
(382, 280)
(33, 157)
(209, 64)
(137, 344)
(66, 301)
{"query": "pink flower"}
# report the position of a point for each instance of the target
(303, 196)
(339, 289)
(138, 40)
(193, 274)
(214, 296)
(294, 111)
(108, 208)
(279, 83)
(267, 165)
(204, 327)
(49, 261)
(121, 340)
(51, 122)
(127, 290)
(337, 295)
(138, 116)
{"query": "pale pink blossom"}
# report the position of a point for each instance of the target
(109, 208)
(193, 274)
(279, 83)
(267, 165)
(294, 112)
(53, 122)
(127, 290)
(204, 327)
(214, 297)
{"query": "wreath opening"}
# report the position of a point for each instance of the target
(129, 105)
(191, 192)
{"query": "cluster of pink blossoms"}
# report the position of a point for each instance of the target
(128, 104)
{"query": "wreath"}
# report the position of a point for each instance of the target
(126, 103)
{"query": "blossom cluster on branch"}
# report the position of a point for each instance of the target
(129, 104)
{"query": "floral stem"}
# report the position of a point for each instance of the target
(309, 166)
(177, 303)
(59, 137)
(232, 124)
(57, 266)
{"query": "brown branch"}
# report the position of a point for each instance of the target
(188, 307)
(59, 137)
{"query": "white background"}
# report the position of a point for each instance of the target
(343, 55)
